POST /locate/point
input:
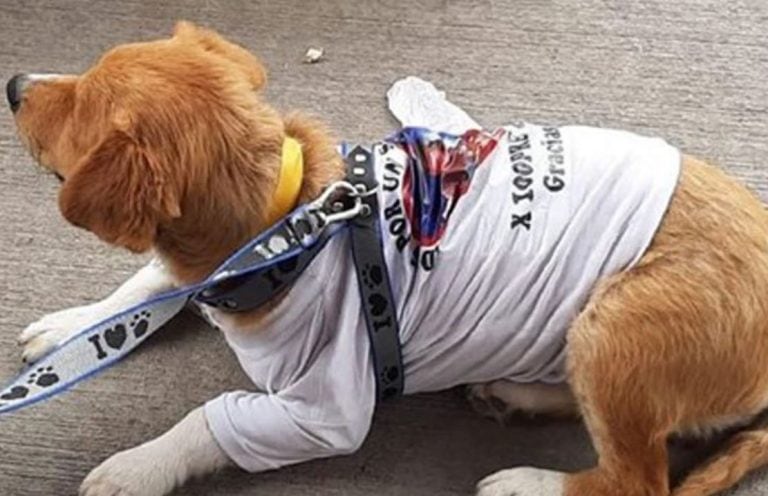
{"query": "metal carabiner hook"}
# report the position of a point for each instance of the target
(346, 214)
(336, 212)
(338, 186)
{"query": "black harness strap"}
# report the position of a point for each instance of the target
(373, 279)
(250, 291)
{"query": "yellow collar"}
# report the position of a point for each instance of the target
(288, 182)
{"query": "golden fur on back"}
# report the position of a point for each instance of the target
(169, 145)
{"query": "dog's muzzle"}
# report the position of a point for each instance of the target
(14, 90)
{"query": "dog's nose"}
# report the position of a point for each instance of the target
(15, 90)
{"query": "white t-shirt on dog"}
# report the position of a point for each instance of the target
(493, 242)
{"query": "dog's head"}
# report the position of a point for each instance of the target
(137, 139)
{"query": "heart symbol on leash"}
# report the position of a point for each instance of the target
(16, 393)
(390, 375)
(375, 274)
(378, 304)
(115, 336)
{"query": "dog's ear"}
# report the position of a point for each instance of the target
(213, 42)
(121, 192)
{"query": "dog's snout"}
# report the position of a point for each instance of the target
(15, 90)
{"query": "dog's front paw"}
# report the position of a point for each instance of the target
(104, 488)
(135, 472)
(522, 481)
(42, 336)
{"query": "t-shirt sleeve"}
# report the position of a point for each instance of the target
(316, 386)
(261, 431)
(325, 410)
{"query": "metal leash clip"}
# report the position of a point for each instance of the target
(340, 201)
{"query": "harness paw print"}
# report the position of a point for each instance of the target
(388, 378)
(373, 276)
(378, 304)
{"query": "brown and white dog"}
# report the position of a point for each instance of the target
(138, 142)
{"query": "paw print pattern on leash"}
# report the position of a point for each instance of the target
(43, 377)
(117, 335)
(140, 323)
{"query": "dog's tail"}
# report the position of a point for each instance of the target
(745, 452)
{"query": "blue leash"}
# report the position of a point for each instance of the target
(95, 348)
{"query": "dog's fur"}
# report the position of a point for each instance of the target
(168, 145)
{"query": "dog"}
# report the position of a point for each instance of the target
(169, 146)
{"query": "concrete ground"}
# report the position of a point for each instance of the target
(693, 71)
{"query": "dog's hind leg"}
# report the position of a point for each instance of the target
(747, 451)
(610, 377)
(678, 342)
(501, 399)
